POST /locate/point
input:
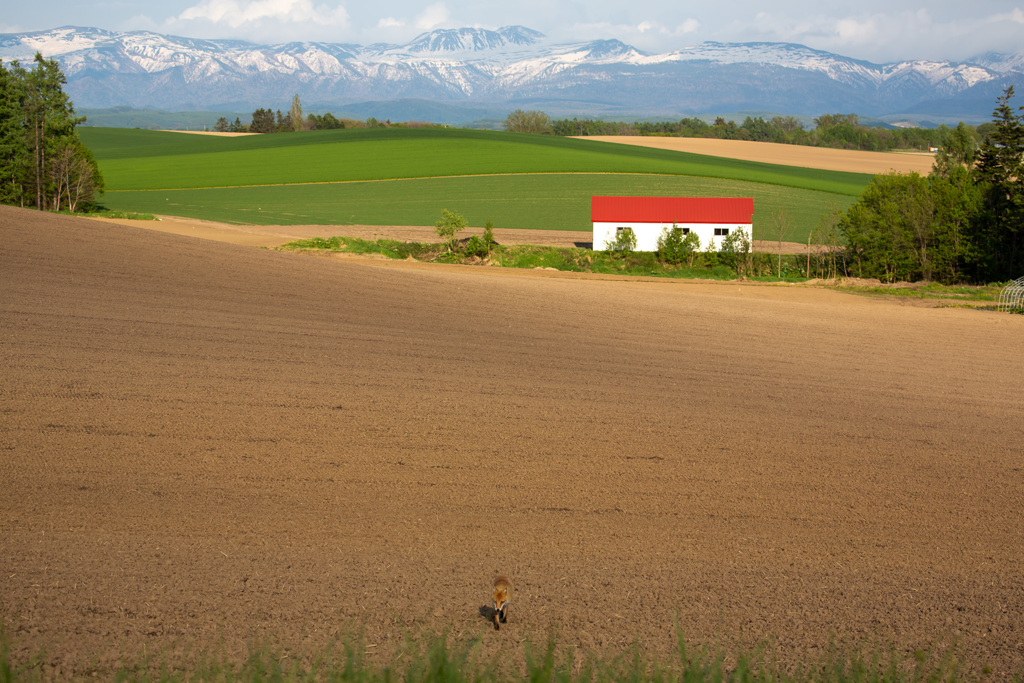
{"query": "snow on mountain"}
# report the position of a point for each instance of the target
(141, 68)
(1002, 63)
(472, 40)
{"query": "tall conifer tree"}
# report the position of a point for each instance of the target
(1001, 170)
(42, 161)
(13, 152)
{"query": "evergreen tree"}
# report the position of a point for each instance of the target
(263, 121)
(50, 121)
(42, 161)
(1000, 232)
(13, 152)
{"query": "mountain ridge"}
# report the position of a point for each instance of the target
(512, 66)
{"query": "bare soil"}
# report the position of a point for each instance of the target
(853, 161)
(210, 446)
(277, 235)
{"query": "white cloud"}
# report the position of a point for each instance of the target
(885, 35)
(432, 17)
(390, 22)
(856, 31)
(688, 26)
(649, 35)
(140, 22)
(262, 19)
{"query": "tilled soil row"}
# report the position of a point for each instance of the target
(210, 446)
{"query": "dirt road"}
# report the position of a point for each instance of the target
(207, 445)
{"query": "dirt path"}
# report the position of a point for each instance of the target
(209, 445)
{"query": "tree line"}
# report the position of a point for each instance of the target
(963, 222)
(43, 164)
(269, 121)
(842, 131)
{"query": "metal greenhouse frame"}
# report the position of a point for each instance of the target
(1011, 299)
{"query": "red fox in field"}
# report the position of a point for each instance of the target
(502, 593)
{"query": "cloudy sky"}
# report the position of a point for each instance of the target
(875, 30)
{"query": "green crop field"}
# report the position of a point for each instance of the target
(406, 176)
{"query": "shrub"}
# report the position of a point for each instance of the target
(676, 247)
(449, 224)
(624, 242)
(735, 251)
(480, 246)
(476, 246)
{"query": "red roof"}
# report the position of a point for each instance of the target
(671, 210)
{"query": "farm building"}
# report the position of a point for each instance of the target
(712, 218)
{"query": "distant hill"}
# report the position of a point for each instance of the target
(459, 75)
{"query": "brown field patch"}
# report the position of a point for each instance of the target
(224, 134)
(277, 235)
(853, 161)
(211, 445)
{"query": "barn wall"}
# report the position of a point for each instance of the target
(647, 234)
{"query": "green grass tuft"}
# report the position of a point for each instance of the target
(441, 659)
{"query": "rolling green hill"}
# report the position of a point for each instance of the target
(406, 176)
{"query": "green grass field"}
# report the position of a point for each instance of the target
(406, 176)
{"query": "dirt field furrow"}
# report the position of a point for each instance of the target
(207, 445)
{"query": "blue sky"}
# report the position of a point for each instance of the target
(875, 30)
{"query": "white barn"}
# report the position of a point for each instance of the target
(712, 218)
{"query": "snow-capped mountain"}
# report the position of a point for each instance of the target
(512, 66)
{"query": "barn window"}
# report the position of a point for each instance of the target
(721, 232)
(686, 231)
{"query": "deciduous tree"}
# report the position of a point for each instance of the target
(521, 121)
(676, 245)
(295, 115)
(449, 224)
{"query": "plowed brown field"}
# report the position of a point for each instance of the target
(853, 161)
(207, 445)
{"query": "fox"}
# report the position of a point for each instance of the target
(502, 593)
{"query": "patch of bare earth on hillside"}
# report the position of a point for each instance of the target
(273, 236)
(852, 161)
(206, 448)
(277, 235)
